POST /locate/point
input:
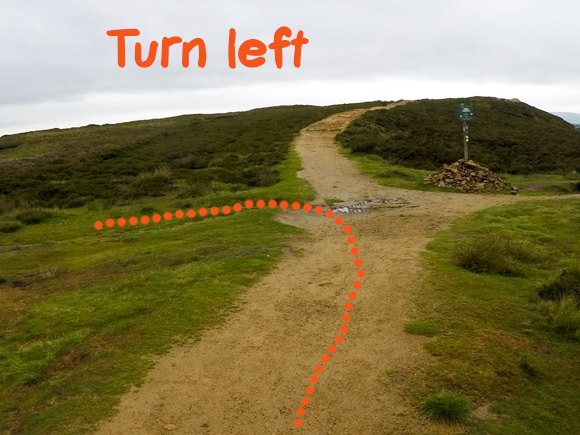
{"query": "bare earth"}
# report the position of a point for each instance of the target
(249, 375)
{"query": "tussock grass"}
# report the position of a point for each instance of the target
(33, 216)
(504, 346)
(564, 315)
(500, 255)
(446, 407)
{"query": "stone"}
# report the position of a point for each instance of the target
(468, 177)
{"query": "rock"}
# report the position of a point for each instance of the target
(170, 427)
(468, 177)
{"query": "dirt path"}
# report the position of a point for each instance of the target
(248, 376)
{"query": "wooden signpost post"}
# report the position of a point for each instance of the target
(466, 112)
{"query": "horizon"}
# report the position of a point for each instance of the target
(67, 73)
(64, 125)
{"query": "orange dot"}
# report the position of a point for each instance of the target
(179, 214)
(305, 401)
(339, 221)
(345, 318)
(357, 285)
(133, 221)
(156, 218)
(144, 220)
(348, 306)
(354, 251)
(350, 240)
(298, 422)
(343, 329)
(310, 390)
(338, 339)
(301, 412)
(358, 262)
(318, 210)
(284, 205)
(307, 208)
(329, 214)
(347, 229)
(260, 203)
(352, 296)
(295, 206)
(319, 369)
(121, 222)
(214, 211)
(226, 210)
(332, 348)
(110, 223)
(168, 216)
(314, 379)
(98, 225)
(238, 207)
(203, 212)
(360, 273)
(191, 214)
(272, 203)
(249, 204)
(325, 358)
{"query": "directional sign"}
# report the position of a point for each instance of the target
(466, 111)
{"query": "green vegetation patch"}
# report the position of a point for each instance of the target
(446, 407)
(505, 136)
(185, 156)
(501, 345)
(426, 329)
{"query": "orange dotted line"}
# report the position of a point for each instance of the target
(284, 205)
(345, 318)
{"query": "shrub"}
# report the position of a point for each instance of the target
(498, 255)
(9, 227)
(446, 406)
(564, 316)
(567, 284)
(33, 217)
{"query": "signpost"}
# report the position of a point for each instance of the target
(465, 111)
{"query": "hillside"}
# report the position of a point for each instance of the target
(506, 136)
(186, 156)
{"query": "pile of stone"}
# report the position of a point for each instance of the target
(366, 205)
(468, 177)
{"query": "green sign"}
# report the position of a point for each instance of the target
(466, 111)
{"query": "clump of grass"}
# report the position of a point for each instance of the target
(446, 407)
(564, 316)
(33, 216)
(498, 255)
(331, 201)
(567, 284)
(9, 227)
(399, 173)
(421, 328)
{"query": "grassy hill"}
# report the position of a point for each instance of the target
(506, 136)
(185, 156)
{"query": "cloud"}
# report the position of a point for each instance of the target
(60, 56)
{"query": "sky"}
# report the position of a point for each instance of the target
(58, 66)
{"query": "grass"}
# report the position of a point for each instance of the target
(501, 255)
(387, 173)
(425, 329)
(83, 312)
(446, 407)
(498, 342)
(332, 201)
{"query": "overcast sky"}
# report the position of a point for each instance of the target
(58, 67)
